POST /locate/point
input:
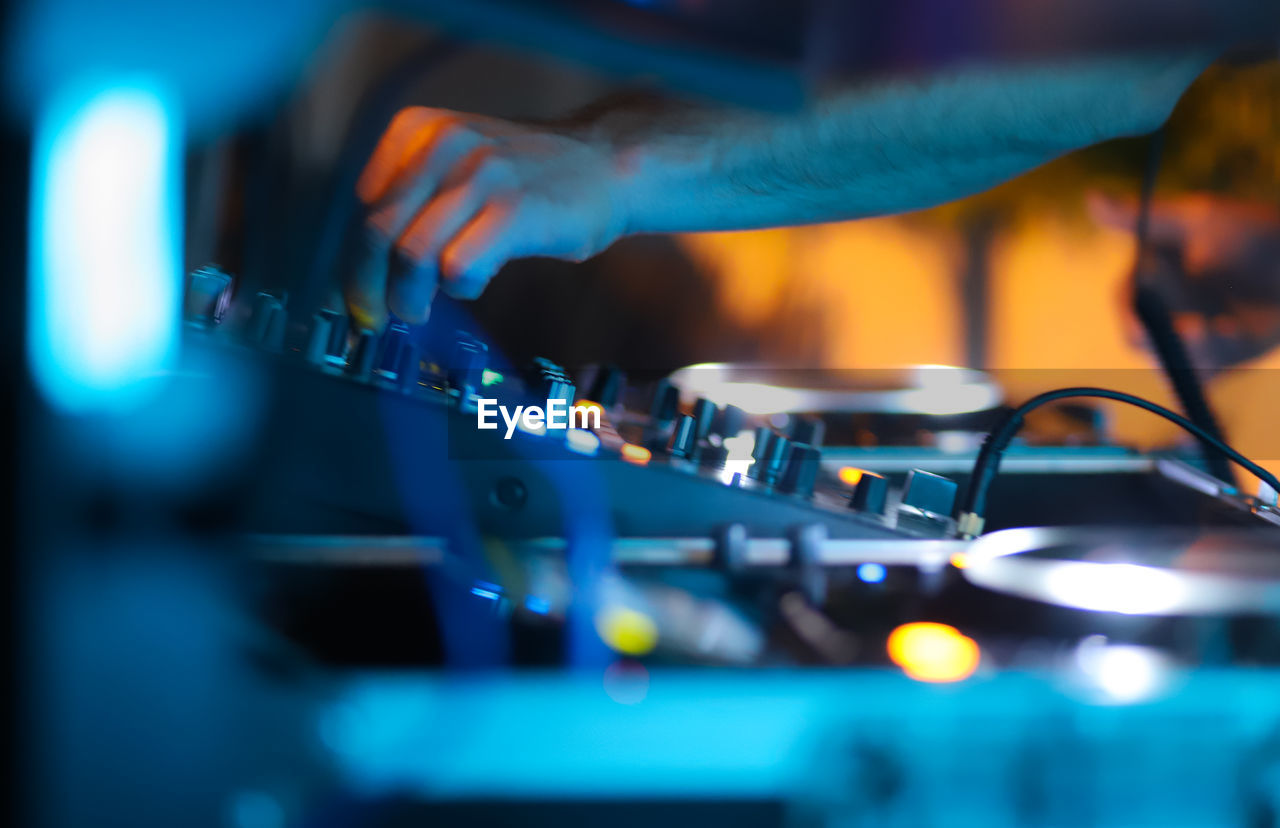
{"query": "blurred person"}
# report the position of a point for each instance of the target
(451, 197)
(1215, 261)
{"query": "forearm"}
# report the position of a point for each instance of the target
(890, 147)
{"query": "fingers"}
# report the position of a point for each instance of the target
(410, 130)
(504, 229)
(420, 148)
(478, 251)
(415, 261)
(364, 280)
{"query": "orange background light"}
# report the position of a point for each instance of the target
(933, 652)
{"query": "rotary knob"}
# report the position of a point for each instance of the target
(666, 402)
(802, 470)
(808, 430)
(683, 440)
(772, 459)
(730, 421)
(607, 386)
(410, 367)
(930, 493)
(764, 436)
(870, 493)
(207, 297)
(339, 326)
(394, 341)
(466, 367)
(277, 325)
(317, 347)
(363, 355)
(704, 411)
(550, 382)
(263, 308)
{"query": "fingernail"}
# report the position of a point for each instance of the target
(464, 288)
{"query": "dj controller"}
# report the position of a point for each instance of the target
(697, 496)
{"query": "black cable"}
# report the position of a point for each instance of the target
(987, 463)
(1153, 312)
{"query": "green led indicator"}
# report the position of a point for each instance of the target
(490, 377)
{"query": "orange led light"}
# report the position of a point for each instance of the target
(933, 652)
(591, 404)
(636, 454)
(959, 559)
(849, 475)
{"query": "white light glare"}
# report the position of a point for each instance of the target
(105, 272)
(1123, 588)
(1124, 673)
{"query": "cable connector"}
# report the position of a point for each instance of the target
(969, 526)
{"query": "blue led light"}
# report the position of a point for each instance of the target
(489, 594)
(105, 242)
(871, 573)
(539, 605)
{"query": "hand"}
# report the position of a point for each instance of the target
(450, 198)
(1216, 261)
